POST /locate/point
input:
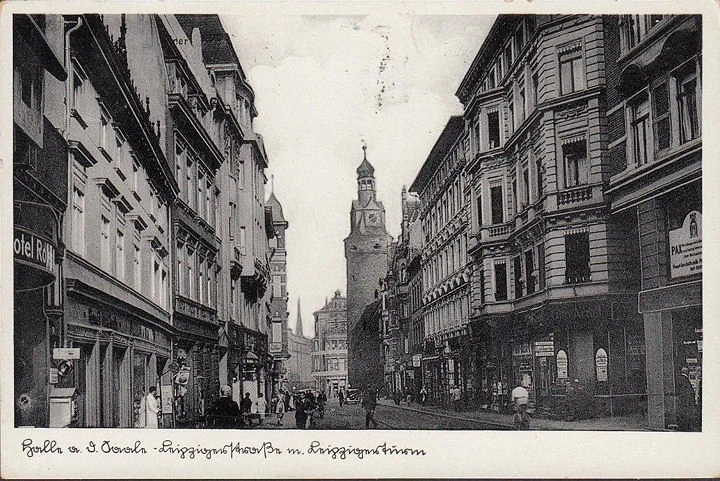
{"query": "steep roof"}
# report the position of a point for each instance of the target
(277, 210)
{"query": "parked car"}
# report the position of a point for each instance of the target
(352, 396)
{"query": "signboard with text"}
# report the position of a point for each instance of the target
(544, 349)
(686, 247)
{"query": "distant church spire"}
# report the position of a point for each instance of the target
(298, 324)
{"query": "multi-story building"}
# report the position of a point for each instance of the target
(246, 226)
(552, 283)
(396, 316)
(366, 249)
(445, 270)
(416, 327)
(329, 348)
(654, 116)
(299, 364)
(193, 147)
(117, 264)
(278, 344)
(40, 180)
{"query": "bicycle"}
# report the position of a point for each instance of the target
(521, 419)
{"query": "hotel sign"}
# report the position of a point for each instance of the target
(686, 247)
(35, 251)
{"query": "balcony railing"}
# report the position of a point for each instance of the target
(575, 195)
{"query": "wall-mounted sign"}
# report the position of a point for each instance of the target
(562, 365)
(166, 396)
(275, 347)
(66, 353)
(686, 247)
(544, 349)
(601, 365)
(34, 252)
(417, 358)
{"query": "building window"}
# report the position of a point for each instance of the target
(539, 171)
(137, 268)
(78, 221)
(493, 129)
(577, 258)
(500, 281)
(508, 57)
(640, 129)
(156, 282)
(687, 97)
(517, 270)
(120, 255)
(536, 88)
(105, 254)
(496, 200)
(529, 272)
(525, 199)
(104, 133)
(519, 40)
(512, 121)
(521, 104)
(163, 288)
(576, 163)
(661, 116)
(572, 72)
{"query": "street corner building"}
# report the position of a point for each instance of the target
(560, 220)
(142, 238)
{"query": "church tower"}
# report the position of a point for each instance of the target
(366, 251)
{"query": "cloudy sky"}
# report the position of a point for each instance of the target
(323, 84)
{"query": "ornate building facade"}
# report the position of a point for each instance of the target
(329, 348)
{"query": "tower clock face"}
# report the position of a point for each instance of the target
(372, 218)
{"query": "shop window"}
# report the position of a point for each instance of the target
(500, 281)
(640, 125)
(572, 70)
(493, 129)
(576, 163)
(577, 258)
(661, 116)
(496, 200)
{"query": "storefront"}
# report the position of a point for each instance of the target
(121, 356)
(250, 363)
(671, 305)
(196, 352)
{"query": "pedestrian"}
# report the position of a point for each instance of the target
(685, 401)
(456, 395)
(423, 395)
(246, 408)
(261, 407)
(280, 410)
(341, 397)
(300, 413)
(369, 403)
(408, 395)
(287, 399)
(151, 409)
(225, 411)
(310, 409)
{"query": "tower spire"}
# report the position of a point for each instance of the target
(298, 323)
(364, 147)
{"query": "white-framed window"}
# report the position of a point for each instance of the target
(639, 110)
(78, 221)
(137, 267)
(576, 163)
(572, 69)
(687, 94)
(105, 254)
(120, 255)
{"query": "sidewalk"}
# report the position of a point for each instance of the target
(636, 422)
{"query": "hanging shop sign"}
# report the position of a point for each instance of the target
(686, 247)
(66, 353)
(562, 365)
(416, 359)
(544, 349)
(601, 365)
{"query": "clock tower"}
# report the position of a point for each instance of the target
(366, 250)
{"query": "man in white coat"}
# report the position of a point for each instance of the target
(151, 409)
